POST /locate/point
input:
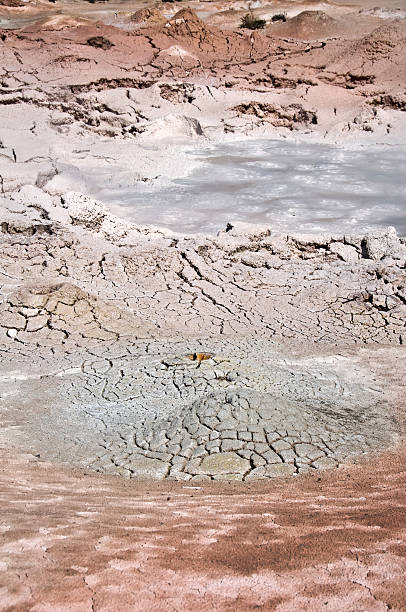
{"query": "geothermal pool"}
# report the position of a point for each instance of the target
(291, 186)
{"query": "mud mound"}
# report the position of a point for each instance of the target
(378, 56)
(246, 411)
(382, 43)
(187, 15)
(147, 16)
(307, 25)
(186, 23)
(57, 313)
(188, 43)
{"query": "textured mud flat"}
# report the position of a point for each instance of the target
(137, 352)
(332, 541)
(249, 411)
(147, 354)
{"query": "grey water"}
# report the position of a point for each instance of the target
(290, 186)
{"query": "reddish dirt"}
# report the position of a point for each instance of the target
(11, 3)
(226, 57)
(72, 540)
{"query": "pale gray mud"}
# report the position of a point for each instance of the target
(194, 357)
(289, 185)
(250, 410)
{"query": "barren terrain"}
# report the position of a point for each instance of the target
(240, 395)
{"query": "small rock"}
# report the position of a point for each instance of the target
(84, 210)
(344, 251)
(380, 244)
(99, 42)
(224, 463)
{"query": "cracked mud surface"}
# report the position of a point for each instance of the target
(100, 348)
(248, 412)
(175, 364)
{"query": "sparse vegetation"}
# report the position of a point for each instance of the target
(279, 17)
(252, 23)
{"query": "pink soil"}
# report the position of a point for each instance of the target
(72, 540)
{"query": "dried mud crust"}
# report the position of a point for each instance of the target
(248, 411)
(93, 277)
(92, 374)
(330, 81)
(97, 316)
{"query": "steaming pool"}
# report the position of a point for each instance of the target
(290, 186)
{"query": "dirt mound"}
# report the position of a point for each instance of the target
(382, 43)
(147, 16)
(379, 56)
(186, 23)
(187, 15)
(51, 313)
(307, 25)
(185, 41)
(12, 3)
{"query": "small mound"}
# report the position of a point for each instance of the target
(378, 56)
(187, 15)
(148, 16)
(307, 25)
(311, 19)
(54, 313)
(60, 22)
(186, 23)
(207, 410)
(381, 43)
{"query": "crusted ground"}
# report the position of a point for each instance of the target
(98, 315)
(157, 357)
(332, 541)
(248, 411)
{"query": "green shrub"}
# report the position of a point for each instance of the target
(279, 17)
(252, 23)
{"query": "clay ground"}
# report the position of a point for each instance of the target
(101, 320)
(74, 541)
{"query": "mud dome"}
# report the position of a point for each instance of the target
(246, 410)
